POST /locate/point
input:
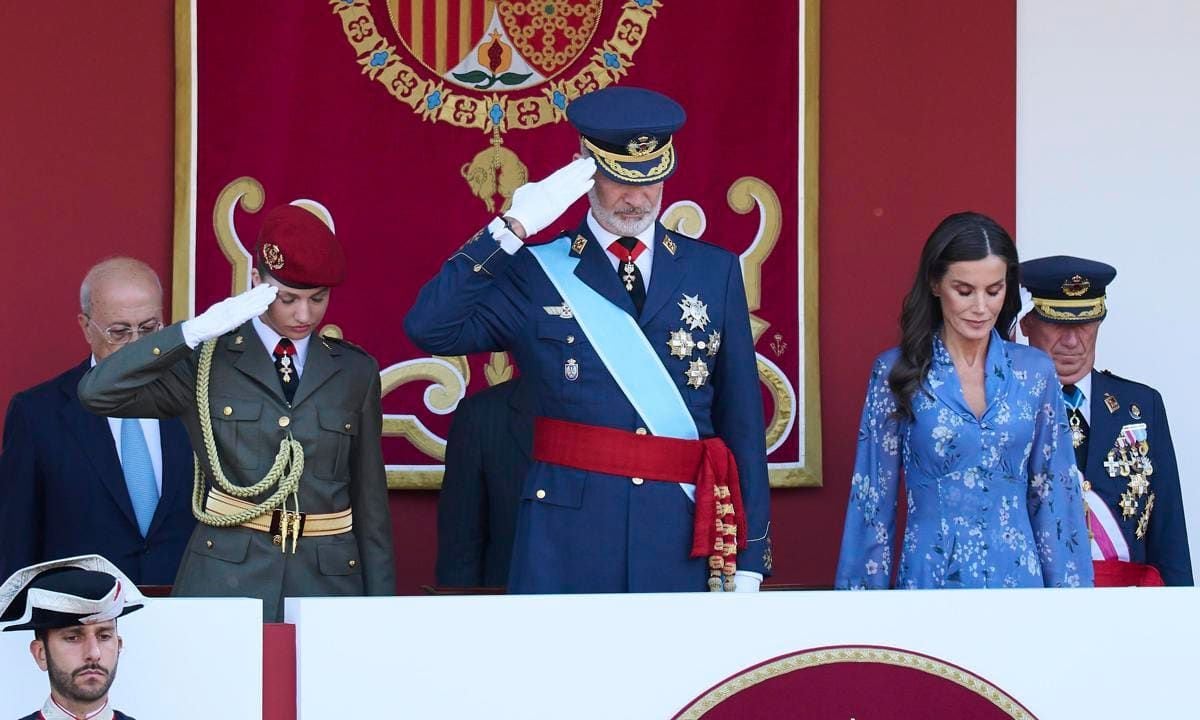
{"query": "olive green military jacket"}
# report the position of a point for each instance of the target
(335, 415)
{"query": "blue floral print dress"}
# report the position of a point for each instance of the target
(991, 502)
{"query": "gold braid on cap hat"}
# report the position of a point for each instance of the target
(1094, 307)
(611, 162)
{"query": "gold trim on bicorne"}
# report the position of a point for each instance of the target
(1092, 308)
(850, 654)
(315, 524)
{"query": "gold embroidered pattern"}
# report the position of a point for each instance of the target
(1048, 309)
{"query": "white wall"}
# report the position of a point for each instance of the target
(1108, 167)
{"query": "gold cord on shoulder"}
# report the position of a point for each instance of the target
(290, 458)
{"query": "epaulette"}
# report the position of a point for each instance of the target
(1115, 376)
(343, 342)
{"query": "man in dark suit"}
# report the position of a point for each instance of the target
(73, 483)
(1118, 428)
(487, 455)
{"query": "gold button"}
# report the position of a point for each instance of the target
(156, 351)
(638, 481)
(208, 544)
(570, 339)
(353, 563)
(541, 494)
(227, 411)
(238, 340)
(285, 421)
(347, 427)
(640, 431)
(276, 539)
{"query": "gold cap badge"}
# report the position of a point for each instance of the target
(1076, 285)
(641, 145)
(272, 256)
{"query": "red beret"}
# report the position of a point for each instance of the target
(299, 250)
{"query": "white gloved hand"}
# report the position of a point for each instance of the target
(537, 204)
(229, 314)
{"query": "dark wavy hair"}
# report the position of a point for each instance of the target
(960, 237)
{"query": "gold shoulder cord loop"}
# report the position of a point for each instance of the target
(289, 457)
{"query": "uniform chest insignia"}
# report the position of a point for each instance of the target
(579, 244)
(695, 313)
(238, 340)
(1111, 403)
(1144, 520)
(1130, 458)
(562, 311)
(571, 370)
(1135, 412)
(714, 342)
(1076, 285)
(697, 374)
(1077, 434)
(681, 343)
(669, 244)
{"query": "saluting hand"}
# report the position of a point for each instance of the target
(537, 204)
(229, 314)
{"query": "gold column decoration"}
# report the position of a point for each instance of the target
(498, 369)
(449, 377)
(249, 193)
(744, 195)
(782, 398)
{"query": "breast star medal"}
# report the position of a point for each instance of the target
(714, 342)
(697, 374)
(285, 368)
(681, 343)
(695, 313)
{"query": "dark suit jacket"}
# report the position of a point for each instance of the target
(62, 491)
(1165, 543)
(487, 457)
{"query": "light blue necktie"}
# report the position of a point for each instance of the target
(139, 473)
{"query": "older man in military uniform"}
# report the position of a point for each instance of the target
(1118, 427)
(292, 500)
(72, 606)
(650, 467)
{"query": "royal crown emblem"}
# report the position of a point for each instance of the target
(1076, 285)
(494, 65)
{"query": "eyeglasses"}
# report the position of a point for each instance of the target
(120, 334)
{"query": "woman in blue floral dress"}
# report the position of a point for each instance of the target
(979, 427)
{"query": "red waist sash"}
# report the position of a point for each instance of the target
(709, 464)
(1119, 573)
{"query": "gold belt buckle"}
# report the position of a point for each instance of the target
(288, 524)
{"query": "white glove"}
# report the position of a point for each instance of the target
(537, 204)
(746, 581)
(229, 314)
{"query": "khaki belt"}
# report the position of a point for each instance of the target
(282, 522)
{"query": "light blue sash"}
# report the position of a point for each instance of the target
(622, 347)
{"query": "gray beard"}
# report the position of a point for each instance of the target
(614, 223)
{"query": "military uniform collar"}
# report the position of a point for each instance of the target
(270, 339)
(53, 711)
(606, 238)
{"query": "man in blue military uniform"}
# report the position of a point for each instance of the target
(72, 606)
(649, 466)
(1118, 427)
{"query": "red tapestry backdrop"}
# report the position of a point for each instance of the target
(411, 122)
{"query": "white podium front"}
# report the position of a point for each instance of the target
(1101, 653)
(184, 659)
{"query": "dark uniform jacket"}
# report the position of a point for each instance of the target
(488, 453)
(63, 493)
(1165, 542)
(335, 415)
(580, 531)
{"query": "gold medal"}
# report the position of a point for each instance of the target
(1077, 436)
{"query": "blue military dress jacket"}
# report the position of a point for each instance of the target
(63, 493)
(1116, 403)
(582, 531)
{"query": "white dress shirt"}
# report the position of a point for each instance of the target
(644, 261)
(153, 436)
(270, 339)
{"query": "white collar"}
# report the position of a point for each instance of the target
(1085, 386)
(53, 711)
(270, 339)
(606, 238)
